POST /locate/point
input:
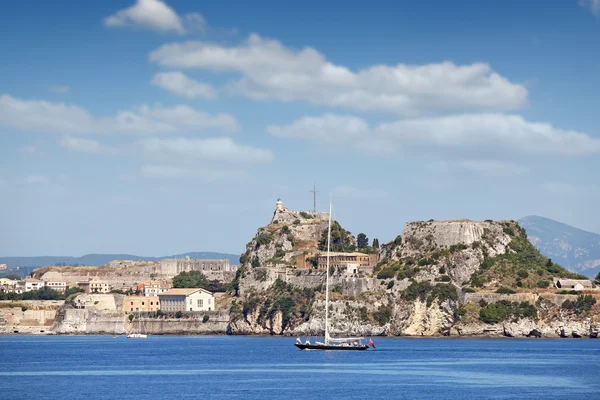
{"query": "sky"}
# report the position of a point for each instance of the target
(153, 128)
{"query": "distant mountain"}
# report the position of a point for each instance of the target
(27, 264)
(574, 249)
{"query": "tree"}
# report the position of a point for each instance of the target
(341, 239)
(192, 279)
(14, 277)
(598, 277)
(362, 241)
(375, 243)
(549, 263)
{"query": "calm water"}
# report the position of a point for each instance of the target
(166, 367)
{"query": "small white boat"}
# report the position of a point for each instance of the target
(140, 328)
(137, 336)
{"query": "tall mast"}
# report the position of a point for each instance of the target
(327, 279)
(314, 192)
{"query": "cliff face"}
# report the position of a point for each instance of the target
(289, 233)
(422, 286)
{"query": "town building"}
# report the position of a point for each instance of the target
(573, 284)
(59, 286)
(94, 286)
(154, 288)
(348, 260)
(9, 285)
(187, 300)
(141, 304)
(33, 284)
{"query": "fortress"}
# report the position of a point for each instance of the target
(213, 269)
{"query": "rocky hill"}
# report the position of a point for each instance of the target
(437, 278)
(575, 249)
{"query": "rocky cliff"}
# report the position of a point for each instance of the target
(437, 278)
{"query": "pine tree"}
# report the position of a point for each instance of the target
(362, 241)
(375, 243)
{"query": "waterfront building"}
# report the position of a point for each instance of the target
(187, 300)
(140, 304)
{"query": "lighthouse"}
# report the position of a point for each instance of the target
(279, 206)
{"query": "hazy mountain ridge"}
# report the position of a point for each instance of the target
(573, 248)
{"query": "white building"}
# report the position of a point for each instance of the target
(33, 284)
(94, 286)
(573, 284)
(154, 288)
(187, 300)
(59, 286)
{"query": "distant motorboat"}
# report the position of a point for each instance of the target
(137, 336)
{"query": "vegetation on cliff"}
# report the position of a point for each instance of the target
(522, 266)
(341, 239)
(293, 304)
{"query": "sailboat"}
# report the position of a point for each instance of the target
(138, 334)
(330, 343)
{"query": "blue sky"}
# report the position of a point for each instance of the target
(156, 128)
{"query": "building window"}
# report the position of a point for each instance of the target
(200, 303)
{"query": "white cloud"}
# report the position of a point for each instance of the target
(490, 133)
(168, 172)
(270, 70)
(592, 5)
(59, 89)
(163, 171)
(179, 84)
(45, 116)
(156, 15)
(195, 150)
(85, 145)
(493, 168)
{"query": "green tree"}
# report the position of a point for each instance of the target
(375, 243)
(191, 279)
(362, 241)
(341, 239)
(14, 277)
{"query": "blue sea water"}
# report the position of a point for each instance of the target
(224, 367)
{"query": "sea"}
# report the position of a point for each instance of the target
(238, 367)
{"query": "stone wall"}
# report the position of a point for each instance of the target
(38, 316)
(218, 323)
